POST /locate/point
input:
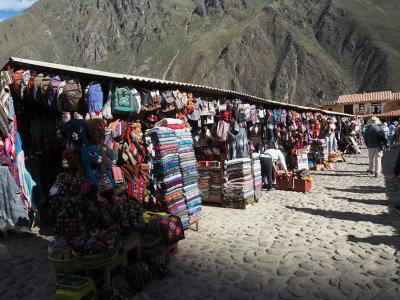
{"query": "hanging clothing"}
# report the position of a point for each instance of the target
(331, 142)
(270, 130)
(12, 210)
(255, 135)
(238, 145)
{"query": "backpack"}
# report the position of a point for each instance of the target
(24, 82)
(72, 94)
(106, 111)
(36, 86)
(94, 97)
(44, 89)
(17, 78)
(29, 86)
(179, 102)
(60, 98)
(137, 101)
(383, 140)
(123, 101)
(52, 90)
(6, 77)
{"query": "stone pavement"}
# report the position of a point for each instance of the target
(25, 271)
(340, 241)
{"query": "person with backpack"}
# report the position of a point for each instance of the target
(377, 142)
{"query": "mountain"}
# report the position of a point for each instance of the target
(298, 51)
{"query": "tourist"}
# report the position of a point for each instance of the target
(376, 141)
(268, 160)
(396, 170)
(385, 128)
(392, 129)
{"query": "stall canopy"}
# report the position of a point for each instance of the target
(159, 83)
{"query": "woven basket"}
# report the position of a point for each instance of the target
(85, 281)
(64, 265)
(126, 239)
(90, 262)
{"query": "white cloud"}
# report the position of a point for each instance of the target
(15, 5)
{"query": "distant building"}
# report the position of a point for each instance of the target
(326, 105)
(376, 103)
(313, 105)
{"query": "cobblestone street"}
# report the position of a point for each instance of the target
(340, 241)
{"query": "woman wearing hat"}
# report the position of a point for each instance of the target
(376, 140)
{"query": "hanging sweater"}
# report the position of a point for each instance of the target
(270, 130)
(238, 146)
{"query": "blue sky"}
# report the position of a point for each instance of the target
(10, 8)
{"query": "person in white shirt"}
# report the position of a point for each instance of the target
(268, 160)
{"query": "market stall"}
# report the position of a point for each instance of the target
(125, 163)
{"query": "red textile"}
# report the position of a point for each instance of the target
(176, 126)
(166, 146)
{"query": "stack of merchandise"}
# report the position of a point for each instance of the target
(239, 189)
(188, 167)
(189, 174)
(257, 176)
(204, 183)
(216, 184)
(163, 150)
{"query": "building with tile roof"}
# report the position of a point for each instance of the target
(384, 103)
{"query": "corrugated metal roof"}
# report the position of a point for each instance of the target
(396, 96)
(199, 88)
(365, 97)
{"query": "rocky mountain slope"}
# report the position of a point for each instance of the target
(299, 51)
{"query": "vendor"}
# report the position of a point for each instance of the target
(268, 160)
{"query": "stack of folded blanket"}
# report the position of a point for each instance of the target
(210, 181)
(257, 176)
(188, 167)
(204, 184)
(163, 147)
(239, 189)
(189, 173)
(215, 185)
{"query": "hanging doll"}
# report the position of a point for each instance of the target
(96, 129)
(66, 117)
(75, 131)
(90, 157)
(72, 161)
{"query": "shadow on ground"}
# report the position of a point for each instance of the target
(338, 174)
(364, 201)
(391, 218)
(25, 271)
(362, 189)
